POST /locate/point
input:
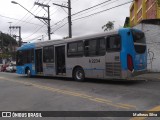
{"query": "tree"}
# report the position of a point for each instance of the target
(109, 26)
(6, 43)
(66, 37)
(7, 39)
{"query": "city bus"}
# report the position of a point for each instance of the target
(119, 54)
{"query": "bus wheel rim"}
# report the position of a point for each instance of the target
(79, 75)
(28, 73)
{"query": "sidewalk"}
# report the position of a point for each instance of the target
(150, 76)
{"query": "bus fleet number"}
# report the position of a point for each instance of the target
(94, 61)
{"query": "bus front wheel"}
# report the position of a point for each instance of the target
(28, 73)
(78, 74)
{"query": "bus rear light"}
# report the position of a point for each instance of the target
(130, 62)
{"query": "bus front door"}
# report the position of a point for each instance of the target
(38, 65)
(60, 60)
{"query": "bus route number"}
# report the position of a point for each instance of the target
(94, 61)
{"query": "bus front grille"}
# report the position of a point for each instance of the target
(113, 69)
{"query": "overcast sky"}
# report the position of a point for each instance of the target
(33, 28)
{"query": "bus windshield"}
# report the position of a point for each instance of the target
(139, 41)
(19, 58)
(25, 56)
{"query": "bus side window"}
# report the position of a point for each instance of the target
(75, 49)
(101, 47)
(95, 47)
(90, 47)
(113, 43)
(48, 54)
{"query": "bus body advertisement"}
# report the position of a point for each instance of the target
(119, 54)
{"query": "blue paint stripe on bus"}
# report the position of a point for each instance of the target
(21, 69)
(125, 47)
(27, 46)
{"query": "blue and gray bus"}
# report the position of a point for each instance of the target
(119, 54)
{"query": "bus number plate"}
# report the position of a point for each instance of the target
(94, 61)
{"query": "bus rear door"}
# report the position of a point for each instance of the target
(38, 62)
(60, 60)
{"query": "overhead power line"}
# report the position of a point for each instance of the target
(69, 17)
(19, 20)
(94, 9)
(34, 32)
(24, 16)
(60, 27)
(81, 12)
(91, 7)
(93, 14)
(102, 11)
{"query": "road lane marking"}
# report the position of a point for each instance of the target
(72, 93)
(157, 108)
(103, 100)
(108, 103)
(126, 105)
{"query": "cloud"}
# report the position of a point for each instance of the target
(81, 27)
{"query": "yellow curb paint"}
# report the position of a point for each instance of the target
(104, 100)
(127, 105)
(85, 96)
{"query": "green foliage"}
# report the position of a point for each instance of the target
(65, 37)
(7, 39)
(109, 26)
(5, 55)
(5, 43)
(127, 25)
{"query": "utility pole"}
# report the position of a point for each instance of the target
(47, 20)
(10, 35)
(10, 26)
(17, 27)
(69, 17)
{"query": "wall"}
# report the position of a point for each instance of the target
(152, 33)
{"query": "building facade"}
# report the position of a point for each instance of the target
(144, 9)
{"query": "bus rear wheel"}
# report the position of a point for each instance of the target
(28, 73)
(78, 74)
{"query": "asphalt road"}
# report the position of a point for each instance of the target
(19, 93)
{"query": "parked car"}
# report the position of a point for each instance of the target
(11, 68)
(3, 68)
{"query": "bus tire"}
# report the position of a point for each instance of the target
(28, 73)
(79, 74)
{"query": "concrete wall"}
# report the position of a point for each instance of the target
(152, 33)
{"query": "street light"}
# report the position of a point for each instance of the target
(14, 2)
